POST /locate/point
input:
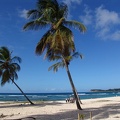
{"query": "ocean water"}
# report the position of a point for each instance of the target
(54, 96)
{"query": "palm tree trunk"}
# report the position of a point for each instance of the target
(73, 87)
(78, 97)
(23, 93)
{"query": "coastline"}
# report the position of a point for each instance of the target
(54, 96)
(101, 109)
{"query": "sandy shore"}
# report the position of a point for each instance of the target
(101, 109)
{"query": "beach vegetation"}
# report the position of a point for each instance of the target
(58, 39)
(9, 66)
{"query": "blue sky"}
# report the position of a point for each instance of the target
(100, 45)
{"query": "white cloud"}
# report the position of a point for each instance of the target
(103, 21)
(115, 35)
(70, 4)
(105, 17)
(87, 18)
(103, 33)
(23, 13)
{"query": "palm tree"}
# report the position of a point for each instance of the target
(9, 68)
(64, 62)
(58, 40)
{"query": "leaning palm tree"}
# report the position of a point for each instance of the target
(59, 37)
(9, 67)
(64, 62)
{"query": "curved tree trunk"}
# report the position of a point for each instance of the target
(23, 93)
(73, 87)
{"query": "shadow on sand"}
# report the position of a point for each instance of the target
(97, 113)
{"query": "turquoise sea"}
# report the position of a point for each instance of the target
(54, 96)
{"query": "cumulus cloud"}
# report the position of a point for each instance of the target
(23, 13)
(70, 4)
(115, 35)
(105, 22)
(87, 18)
(105, 17)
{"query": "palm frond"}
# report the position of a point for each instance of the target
(16, 59)
(56, 66)
(5, 77)
(1, 57)
(37, 24)
(63, 11)
(48, 9)
(57, 41)
(14, 67)
(34, 14)
(1, 62)
(15, 76)
(67, 37)
(4, 51)
(62, 38)
(76, 25)
(44, 4)
(77, 54)
(58, 44)
(69, 58)
(52, 55)
(42, 44)
(48, 15)
(1, 72)
(59, 22)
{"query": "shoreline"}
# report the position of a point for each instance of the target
(54, 96)
(62, 101)
(25, 101)
(101, 109)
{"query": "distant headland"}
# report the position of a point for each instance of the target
(108, 90)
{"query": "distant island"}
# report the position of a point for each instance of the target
(108, 90)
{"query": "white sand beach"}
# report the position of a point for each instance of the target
(102, 109)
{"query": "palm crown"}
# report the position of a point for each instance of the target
(8, 66)
(64, 60)
(59, 36)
